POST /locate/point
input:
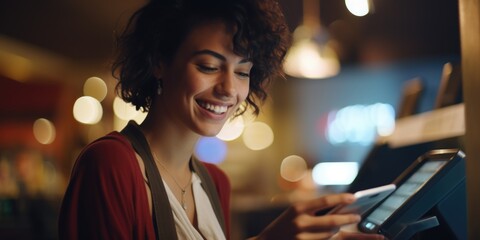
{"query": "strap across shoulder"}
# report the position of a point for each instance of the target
(162, 213)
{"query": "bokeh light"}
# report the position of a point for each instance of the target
(211, 149)
(232, 129)
(87, 110)
(125, 111)
(95, 87)
(360, 123)
(306, 58)
(383, 116)
(258, 136)
(44, 131)
(335, 173)
(293, 168)
(358, 8)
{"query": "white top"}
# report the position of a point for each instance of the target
(207, 221)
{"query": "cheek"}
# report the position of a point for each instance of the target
(244, 90)
(196, 85)
(192, 83)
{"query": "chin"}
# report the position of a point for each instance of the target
(210, 133)
(208, 130)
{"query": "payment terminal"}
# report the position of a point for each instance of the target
(429, 192)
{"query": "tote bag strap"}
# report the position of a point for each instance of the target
(209, 187)
(163, 217)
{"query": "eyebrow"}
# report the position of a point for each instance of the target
(216, 55)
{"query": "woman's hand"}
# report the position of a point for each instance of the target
(300, 222)
(356, 236)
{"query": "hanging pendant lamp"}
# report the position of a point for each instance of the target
(310, 55)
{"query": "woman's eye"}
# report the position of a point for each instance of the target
(244, 74)
(206, 69)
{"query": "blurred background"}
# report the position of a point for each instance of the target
(349, 72)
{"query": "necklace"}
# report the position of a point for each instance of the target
(183, 189)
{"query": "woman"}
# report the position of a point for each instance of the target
(191, 64)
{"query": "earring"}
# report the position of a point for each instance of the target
(159, 87)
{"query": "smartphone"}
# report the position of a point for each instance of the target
(365, 199)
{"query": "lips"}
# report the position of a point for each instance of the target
(213, 108)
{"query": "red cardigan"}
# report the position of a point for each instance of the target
(106, 196)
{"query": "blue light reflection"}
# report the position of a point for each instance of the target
(211, 150)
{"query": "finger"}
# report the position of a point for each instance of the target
(316, 236)
(328, 201)
(357, 236)
(333, 222)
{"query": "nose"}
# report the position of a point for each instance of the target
(225, 87)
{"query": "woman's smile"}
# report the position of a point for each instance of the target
(218, 109)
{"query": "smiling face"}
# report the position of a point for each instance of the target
(206, 81)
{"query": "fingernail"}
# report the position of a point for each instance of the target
(351, 198)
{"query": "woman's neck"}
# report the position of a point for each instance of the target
(172, 144)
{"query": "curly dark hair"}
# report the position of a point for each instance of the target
(155, 31)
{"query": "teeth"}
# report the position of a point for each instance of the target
(214, 108)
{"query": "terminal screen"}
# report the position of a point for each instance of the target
(402, 194)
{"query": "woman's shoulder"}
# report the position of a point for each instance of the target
(219, 177)
(113, 143)
(110, 151)
(215, 171)
(113, 139)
